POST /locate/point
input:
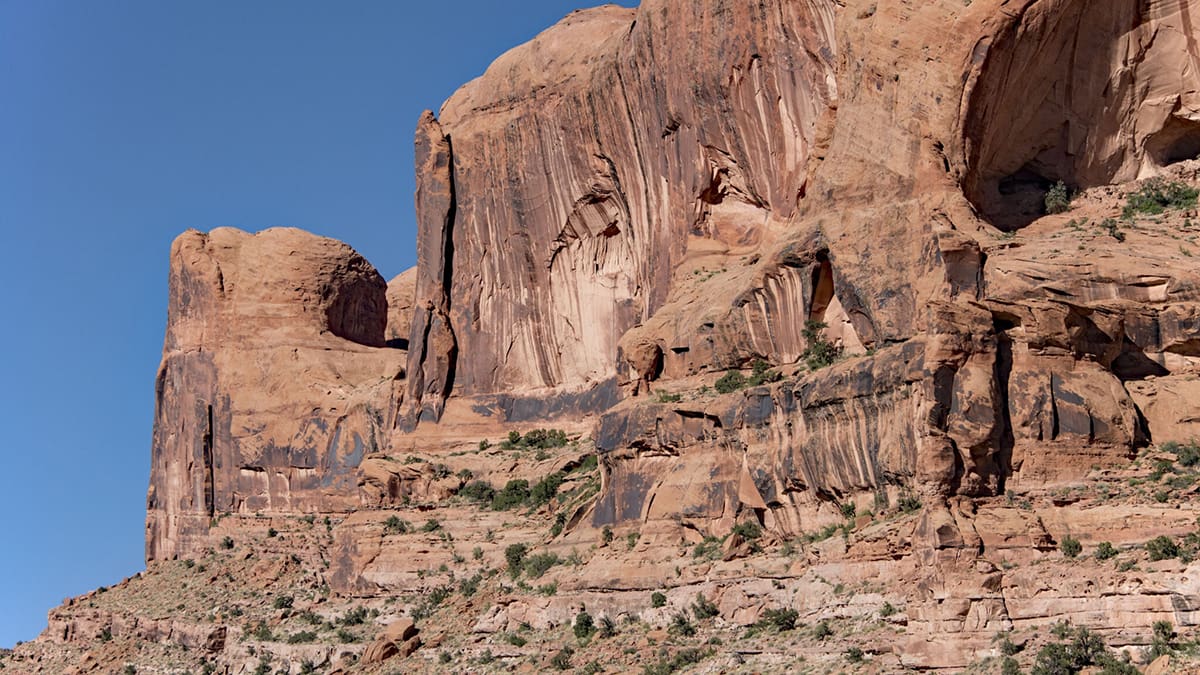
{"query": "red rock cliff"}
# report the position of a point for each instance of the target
(644, 197)
(273, 384)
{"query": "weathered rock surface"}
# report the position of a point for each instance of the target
(693, 207)
(630, 205)
(638, 145)
(274, 382)
(401, 292)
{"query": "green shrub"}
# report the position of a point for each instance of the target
(432, 600)
(709, 549)
(1161, 468)
(515, 640)
(1110, 227)
(1186, 455)
(887, 610)
(584, 625)
(469, 586)
(546, 438)
(607, 627)
(227, 543)
(1162, 548)
(545, 489)
(663, 396)
(303, 637)
(1162, 641)
(431, 525)
(478, 491)
(822, 630)
(703, 608)
(283, 602)
(658, 599)
(394, 525)
(1006, 646)
(823, 534)
(908, 503)
(560, 521)
(355, 616)
(514, 555)
(819, 352)
(562, 660)
(747, 530)
(681, 660)
(1105, 551)
(262, 632)
(854, 655)
(536, 565)
(779, 619)
(761, 374)
(1157, 195)
(1081, 649)
(730, 382)
(1058, 198)
(1070, 546)
(538, 439)
(514, 494)
(1061, 630)
(848, 510)
(606, 535)
(680, 625)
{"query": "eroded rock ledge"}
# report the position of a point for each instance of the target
(618, 212)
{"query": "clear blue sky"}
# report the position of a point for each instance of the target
(124, 122)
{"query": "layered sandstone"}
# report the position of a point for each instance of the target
(274, 382)
(618, 212)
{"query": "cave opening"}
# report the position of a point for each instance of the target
(1055, 100)
(1178, 141)
(1022, 198)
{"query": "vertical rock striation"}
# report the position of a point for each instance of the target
(584, 161)
(273, 383)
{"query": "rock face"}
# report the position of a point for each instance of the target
(843, 203)
(1032, 122)
(638, 145)
(274, 382)
(693, 207)
(604, 208)
(400, 294)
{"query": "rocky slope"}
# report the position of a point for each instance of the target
(780, 279)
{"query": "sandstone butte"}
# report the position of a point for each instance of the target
(959, 431)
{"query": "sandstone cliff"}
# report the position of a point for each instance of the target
(843, 204)
(274, 382)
